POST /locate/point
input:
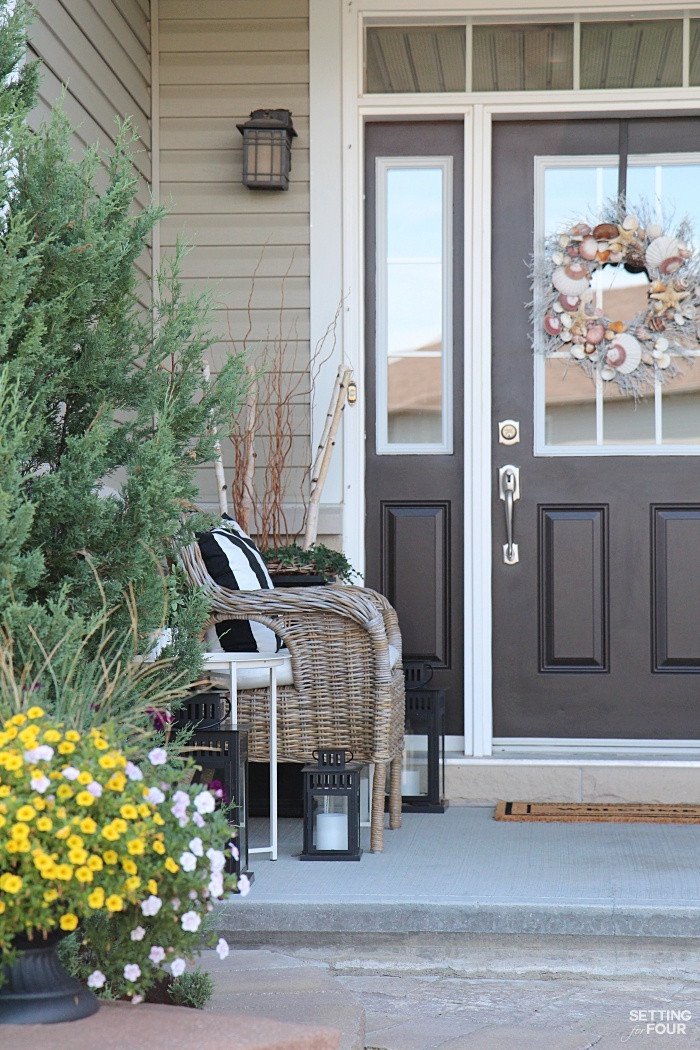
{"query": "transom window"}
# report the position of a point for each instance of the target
(472, 55)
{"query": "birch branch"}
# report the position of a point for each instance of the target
(325, 452)
(218, 461)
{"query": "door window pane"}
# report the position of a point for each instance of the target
(694, 51)
(413, 305)
(522, 58)
(640, 54)
(570, 408)
(415, 59)
(680, 398)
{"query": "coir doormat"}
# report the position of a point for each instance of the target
(599, 812)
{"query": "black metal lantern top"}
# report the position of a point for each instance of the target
(267, 149)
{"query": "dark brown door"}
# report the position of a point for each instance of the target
(414, 184)
(597, 626)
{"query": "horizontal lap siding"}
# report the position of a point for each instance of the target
(218, 61)
(98, 53)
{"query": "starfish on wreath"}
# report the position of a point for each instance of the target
(667, 296)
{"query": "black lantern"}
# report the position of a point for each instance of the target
(332, 807)
(423, 772)
(267, 149)
(222, 755)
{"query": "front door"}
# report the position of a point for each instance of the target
(414, 238)
(597, 624)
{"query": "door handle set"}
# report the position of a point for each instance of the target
(509, 492)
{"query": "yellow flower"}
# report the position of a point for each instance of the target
(77, 856)
(10, 883)
(10, 731)
(13, 763)
(66, 748)
(132, 883)
(157, 819)
(129, 811)
(2, 907)
(73, 735)
(19, 831)
(3, 822)
(158, 847)
(5, 790)
(108, 761)
(117, 782)
(110, 833)
(100, 743)
(88, 826)
(18, 720)
(35, 712)
(129, 866)
(84, 798)
(136, 847)
(84, 777)
(170, 865)
(38, 802)
(152, 886)
(26, 813)
(69, 921)
(143, 809)
(84, 874)
(44, 823)
(110, 856)
(28, 736)
(95, 863)
(114, 902)
(74, 842)
(64, 792)
(64, 872)
(120, 825)
(50, 895)
(63, 832)
(96, 898)
(52, 736)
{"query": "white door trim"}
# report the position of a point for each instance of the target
(342, 95)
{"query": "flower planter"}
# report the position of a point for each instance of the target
(37, 989)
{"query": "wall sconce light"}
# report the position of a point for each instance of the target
(267, 149)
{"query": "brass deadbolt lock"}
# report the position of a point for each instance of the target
(509, 432)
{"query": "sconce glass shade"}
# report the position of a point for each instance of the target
(267, 149)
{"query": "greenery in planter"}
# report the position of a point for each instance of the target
(193, 989)
(320, 559)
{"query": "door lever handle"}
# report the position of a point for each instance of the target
(509, 492)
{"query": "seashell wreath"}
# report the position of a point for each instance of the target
(633, 354)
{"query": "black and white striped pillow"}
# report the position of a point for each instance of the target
(233, 561)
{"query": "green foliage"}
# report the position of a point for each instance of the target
(193, 989)
(332, 565)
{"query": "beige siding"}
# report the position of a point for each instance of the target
(97, 52)
(218, 61)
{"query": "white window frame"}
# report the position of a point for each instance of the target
(384, 447)
(540, 446)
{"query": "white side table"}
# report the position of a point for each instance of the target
(230, 662)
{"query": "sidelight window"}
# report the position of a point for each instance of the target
(414, 305)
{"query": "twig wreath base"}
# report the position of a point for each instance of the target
(634, 353)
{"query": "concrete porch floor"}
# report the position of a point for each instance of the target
(463, 872)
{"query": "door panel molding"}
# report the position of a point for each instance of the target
(573, 560)
(675, 598)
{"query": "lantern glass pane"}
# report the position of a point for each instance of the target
(414, 774)
(331, 822)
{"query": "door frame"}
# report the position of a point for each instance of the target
(339, 249)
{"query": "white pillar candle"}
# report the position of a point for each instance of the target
(410, 782)
(332, 831)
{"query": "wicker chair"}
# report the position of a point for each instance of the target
(348, 686)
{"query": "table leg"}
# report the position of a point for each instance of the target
(273, 762)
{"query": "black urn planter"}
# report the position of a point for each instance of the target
(37, 989)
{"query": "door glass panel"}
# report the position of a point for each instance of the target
(415, 59)
(573, 409)
(694, 51)
(522, 58)
(639, 54)
(413, 305)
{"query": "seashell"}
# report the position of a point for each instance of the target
(578, 339)
(595, 334)
(672, 264)
(647, 359)
(616, 246)
(570, 280)
(589, 349)
(624, 354)
(578, 352)
(558, 308)
(660, 249)
(572, 251)
(552, 324)
(607, 374)
(566, 320)
(657, 286)
(630, 222)
(635, 261)
(685, 253)
(588, 248)
(615, 257)
(603, 255)
(617, 326)
(654, 231)
(662, 361)
(609, 334)
(580, 230)
(679, 319)
(568, 302)
(656, 324)
(642, 333)
(563, 240)
(605, 231)
(661, 345)
(689, 312)
(566, 336)
(557, 258)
